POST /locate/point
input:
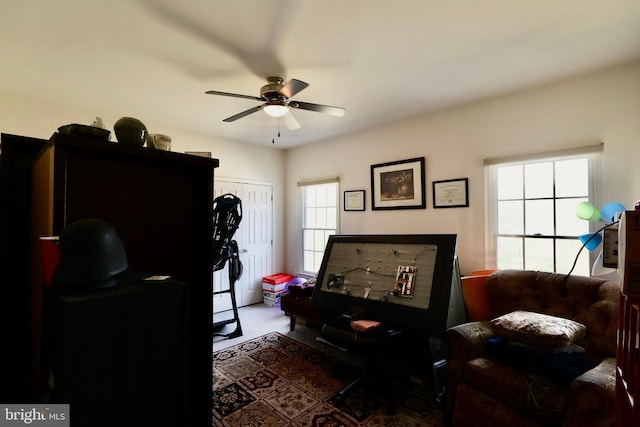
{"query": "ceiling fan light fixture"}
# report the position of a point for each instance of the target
(276, 110)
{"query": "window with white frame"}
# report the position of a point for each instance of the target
(320, 220)
(532, 221)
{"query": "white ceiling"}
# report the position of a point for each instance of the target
(381, 60)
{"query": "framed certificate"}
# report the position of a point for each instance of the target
(451, 193)
(354, 200)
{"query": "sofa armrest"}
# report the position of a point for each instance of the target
(464, 342)
(592, 397)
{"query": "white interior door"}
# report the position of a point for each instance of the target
(254, 238)
(256, 248)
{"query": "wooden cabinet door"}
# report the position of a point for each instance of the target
(628, 369)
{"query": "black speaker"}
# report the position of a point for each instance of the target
(118, 356)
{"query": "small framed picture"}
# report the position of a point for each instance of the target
(451, 193)
(354, 200)
(398, 185)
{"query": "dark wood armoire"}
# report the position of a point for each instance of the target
(160, 203)
(16, 159)
(628, 357)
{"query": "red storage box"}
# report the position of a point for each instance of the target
(276, 282)
(276, 279)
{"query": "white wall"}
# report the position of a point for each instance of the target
(585, 110)
(32, 117)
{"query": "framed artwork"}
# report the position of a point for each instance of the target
(398, 185)
(354, 200)
(451, 193)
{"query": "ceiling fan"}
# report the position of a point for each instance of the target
(276, 97)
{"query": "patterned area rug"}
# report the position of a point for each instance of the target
(275, 381)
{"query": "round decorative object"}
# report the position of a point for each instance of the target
(159, 141)
(130, 131)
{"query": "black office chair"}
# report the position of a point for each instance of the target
(370, 338)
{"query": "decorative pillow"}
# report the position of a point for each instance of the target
(365, 325)
(538, 329)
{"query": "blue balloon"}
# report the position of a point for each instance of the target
(593, 243)
(608, 212)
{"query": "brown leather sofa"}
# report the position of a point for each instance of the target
(486, 390)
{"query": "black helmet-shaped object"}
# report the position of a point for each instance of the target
(91, 256)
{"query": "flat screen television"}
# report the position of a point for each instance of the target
(410, 282)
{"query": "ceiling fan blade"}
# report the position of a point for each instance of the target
(243, 114)
(290, 121)
(234, 95)
(292, 87)
(262, 62)
(326, 109)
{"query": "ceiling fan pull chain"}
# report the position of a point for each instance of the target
(273, 140)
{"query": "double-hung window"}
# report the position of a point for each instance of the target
(532, 221)
(320, 220)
